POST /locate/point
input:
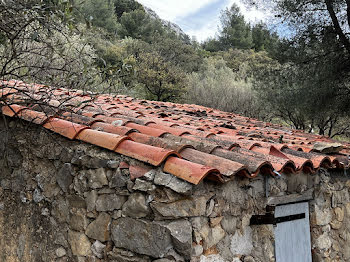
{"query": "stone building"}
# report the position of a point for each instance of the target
(110, 178)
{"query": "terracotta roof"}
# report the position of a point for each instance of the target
(189, 141)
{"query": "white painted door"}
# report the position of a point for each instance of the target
(292, 238)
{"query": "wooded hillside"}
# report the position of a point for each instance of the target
(299, 78)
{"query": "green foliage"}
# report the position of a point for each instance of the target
(178, 53)
(311, 86)
(212, 45)
(160, 80)
(99, 13)
(216, 85)
(235, 33)
(38, 46)
(139, 25)
(263, 38)
(126, 6)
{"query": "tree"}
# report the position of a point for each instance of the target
(126, 6)
(139, 25)
(263, 38)
(177, 52)
(235, 32)
(216, 85)
(311, 87)
(160, 80)
(41, 44)
(100, 13)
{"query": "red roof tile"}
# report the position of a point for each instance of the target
(212, 143)
(189, 171)
(64, 128)
(149, 154)
(102, 139)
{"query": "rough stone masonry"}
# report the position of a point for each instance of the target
(63, 200)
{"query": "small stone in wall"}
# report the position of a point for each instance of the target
(214, 221)
(60, 252)
(229, 224)
(322, 216)
(37, 196)
(64, 177)
(340, 197)
(113, 164)
(118, 180)
(335, 224)
(215, 258)
(339, 213)
(79, 243)
(215, 235)
(242, 244)
(97, 178)
(90, 198)
(136, 206)
(143, 185)
(78, 220)
(122, 255)
(248, 259)
(174, 183)
(76, 201)
(189, 207)
(210, 207)
(181, 233)
(97, 249)
(99, 228)
(109, 202)
(324, 242)
(197, 250)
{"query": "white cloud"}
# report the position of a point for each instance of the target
(174, 9)
(178, 11)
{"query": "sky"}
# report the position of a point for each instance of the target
(199, 18)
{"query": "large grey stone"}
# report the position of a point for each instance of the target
(136, 206)
(174, 183)
(143, 237)
(97, 178)
(79, 243)
(64, 177)
(99, 229)
(109, 202)
(181, 233)
(189, 207)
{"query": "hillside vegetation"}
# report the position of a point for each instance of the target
(119, 46)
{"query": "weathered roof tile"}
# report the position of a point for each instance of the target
(213, 144)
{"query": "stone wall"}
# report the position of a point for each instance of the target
(63, 200)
